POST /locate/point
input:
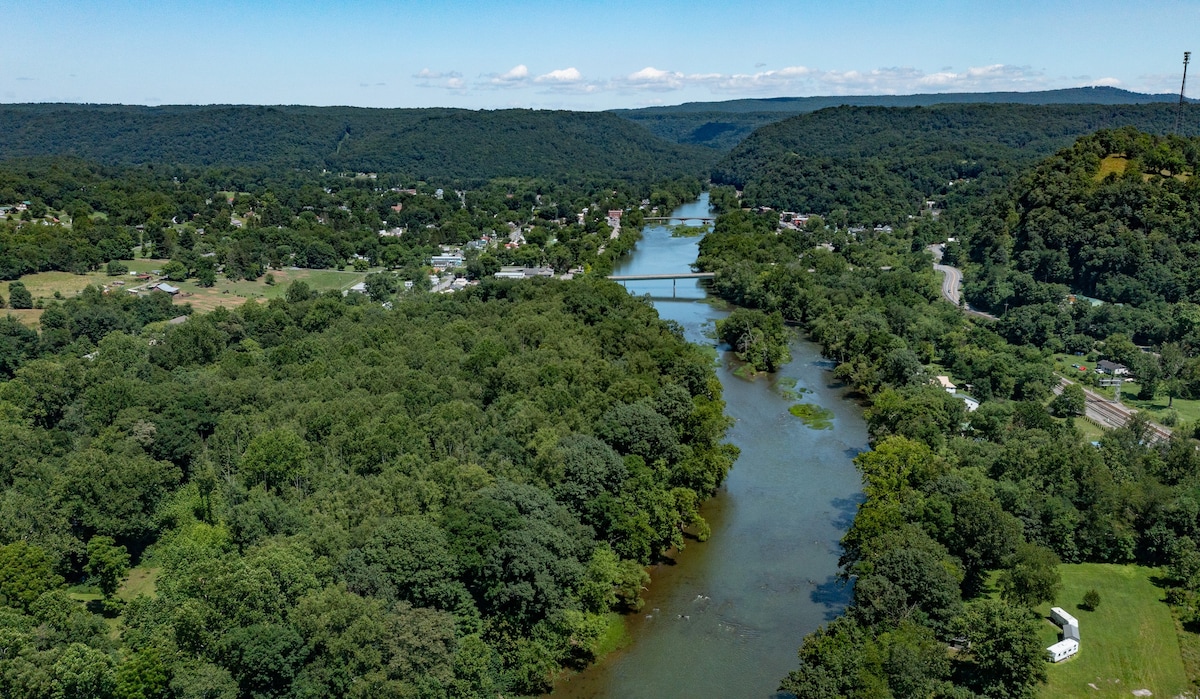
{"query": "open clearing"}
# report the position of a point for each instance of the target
(224, 293)
(1127, 643)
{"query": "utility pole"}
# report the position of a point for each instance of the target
(1187, 56)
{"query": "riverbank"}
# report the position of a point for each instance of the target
(726, 616)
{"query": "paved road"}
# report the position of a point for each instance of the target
(952, 283)
(1107, 413)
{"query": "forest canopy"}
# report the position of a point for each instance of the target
(446, 499)
(441, 144)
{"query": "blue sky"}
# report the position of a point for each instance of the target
(577, 55)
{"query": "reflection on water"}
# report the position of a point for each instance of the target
(725, 620)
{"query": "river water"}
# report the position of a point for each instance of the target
(725, 619)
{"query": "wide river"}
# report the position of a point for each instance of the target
(726, 618)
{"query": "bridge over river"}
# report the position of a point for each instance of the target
(674, 277)
(708, 219)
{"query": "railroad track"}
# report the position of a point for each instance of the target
(1110, 414)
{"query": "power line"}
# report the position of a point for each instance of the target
(1187, 56)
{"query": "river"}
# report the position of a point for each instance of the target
(726, 618)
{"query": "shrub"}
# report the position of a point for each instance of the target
(1091, 600)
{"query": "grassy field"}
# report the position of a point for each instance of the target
(1112, 164)
(1128, 643)
(141, 581)
(227, 293)
(1157, 410)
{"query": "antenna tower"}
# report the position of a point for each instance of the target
(1187, 56)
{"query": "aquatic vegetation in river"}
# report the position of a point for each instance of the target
(814, 416)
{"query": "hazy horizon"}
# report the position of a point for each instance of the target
(581, 56)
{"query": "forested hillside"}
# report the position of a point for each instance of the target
(421, 143)
(722, 125)
(874, 165)
(324, 498)
(244, 221)
(1116, 216)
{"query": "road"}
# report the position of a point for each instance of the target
(952, 283)
(1109, 414)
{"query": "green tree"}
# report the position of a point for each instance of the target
(175, 270)
(142, 675)
(1091, 600)
(83, 673)
(273, 458)
(19, 296)
(1006, 658)
(26, 571)
(107, 564)
(206, 276)
(1031, 577)
(298, 291)
(1071, 402)
(761, 339)
(115, 268)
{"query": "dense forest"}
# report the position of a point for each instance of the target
(244, 221)
(864, 166)
(722, 125)
(442, 500)
(326, 495)
(1114, 217)
(967, 515)
(441, 144)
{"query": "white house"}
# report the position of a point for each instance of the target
(1069, 645)
(944, 382)
(1062, 650)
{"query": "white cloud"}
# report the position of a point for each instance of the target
(1107, 82)
(563, 75)
(513, 77)
(519, 72)
(448, 80)
(650, 78)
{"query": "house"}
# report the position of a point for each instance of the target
(1107, 367)
(1062, 650)
(944, 382)
(167, 288)
(444, 261)
(1069, 645)
(510, 273)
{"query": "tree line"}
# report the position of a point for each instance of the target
(441, 144)
(243, 221)
(958, 505)
(866, 166)
(445, 499)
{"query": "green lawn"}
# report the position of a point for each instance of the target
(141, 581)
(1156, 410)
(1128, 643)
(224, 293)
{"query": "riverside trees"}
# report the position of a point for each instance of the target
(445, 499)
(954, 499)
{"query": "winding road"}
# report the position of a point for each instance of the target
(952, 283)
(1104, 412)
